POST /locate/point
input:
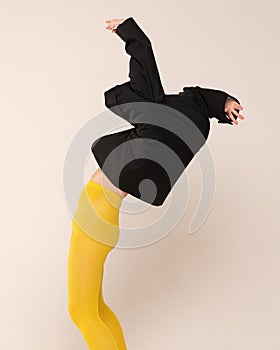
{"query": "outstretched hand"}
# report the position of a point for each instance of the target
(113, 23)
(230, 109)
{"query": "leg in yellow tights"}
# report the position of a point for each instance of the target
(95, 231)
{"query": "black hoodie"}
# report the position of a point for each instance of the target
(168, 129)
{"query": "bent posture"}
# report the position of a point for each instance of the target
(95, 225)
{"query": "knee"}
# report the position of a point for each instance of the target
(78, 317)
(74, 313)
(82, 314)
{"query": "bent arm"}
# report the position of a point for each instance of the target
(213, 102)
(144, 74)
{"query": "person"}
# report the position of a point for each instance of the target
(95, 225)
(167, 129)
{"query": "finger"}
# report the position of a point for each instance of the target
(238, 106)
(232, 118)
(238, 114)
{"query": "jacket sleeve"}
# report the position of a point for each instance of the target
(143, 71)
(130, 32)
(213, 103)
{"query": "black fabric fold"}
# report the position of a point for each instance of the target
(169, 129)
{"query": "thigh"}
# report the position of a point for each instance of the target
(97, 214)
(85, 267)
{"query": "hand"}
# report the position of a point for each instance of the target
(230, 106)
(113, 23)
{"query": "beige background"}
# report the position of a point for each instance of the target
(217, 289)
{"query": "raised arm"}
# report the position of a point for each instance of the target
(143, 71)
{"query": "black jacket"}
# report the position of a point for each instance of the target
(168, 129)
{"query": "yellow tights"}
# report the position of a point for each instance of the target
(95, 231)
